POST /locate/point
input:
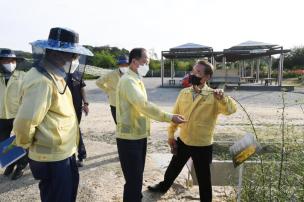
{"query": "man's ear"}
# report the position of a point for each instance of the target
(133, 61)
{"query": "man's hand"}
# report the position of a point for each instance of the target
(173, 145)
(85, 109)
(8, 148)
(218, 94)
(178, 119)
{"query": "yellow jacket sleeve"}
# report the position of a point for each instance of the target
(135, 96)
(173, 126)
(35, 103)
(102, 83)
(226, 106)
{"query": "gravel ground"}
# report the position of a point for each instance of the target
(101, 179)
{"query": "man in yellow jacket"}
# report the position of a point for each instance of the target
(46, 123)
(133, 123)
(10, 92)
(109, 81)
(200, 105)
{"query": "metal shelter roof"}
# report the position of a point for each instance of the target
(250, 50)
(251, 45)
(188, 50)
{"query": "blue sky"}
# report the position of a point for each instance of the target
(154, 24)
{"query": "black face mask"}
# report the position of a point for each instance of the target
(194, 80)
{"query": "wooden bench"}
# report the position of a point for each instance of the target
(249, 79)
(227, 80)
(222, 76)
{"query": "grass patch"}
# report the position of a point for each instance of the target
(89, 77)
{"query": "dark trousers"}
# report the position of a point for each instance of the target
(58, 180)
(82, 152)
(6, 127)
(132, 156)
(113, 111)
(202, 158)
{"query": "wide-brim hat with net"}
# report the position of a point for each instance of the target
(10, 54)
(62, 39)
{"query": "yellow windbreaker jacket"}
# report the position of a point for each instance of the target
(10, 95)
(133, 110)
(46, 122)
(201, 113)
(108, 84)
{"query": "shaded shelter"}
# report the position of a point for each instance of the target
(252, 50)
(185, 51)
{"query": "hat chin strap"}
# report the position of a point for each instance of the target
(66, 84)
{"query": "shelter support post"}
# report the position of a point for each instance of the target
(258, 70)
(225, 68)
(162, 69)
(172, 69)
(269, 67)
(251, 68)
(243, 69)
(280, 70)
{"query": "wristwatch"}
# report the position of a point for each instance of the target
(86, 103)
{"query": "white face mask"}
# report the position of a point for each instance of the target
(10, 67)
(74, 65)
(143, 70)
(123, 69)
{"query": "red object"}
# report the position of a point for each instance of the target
(185, 81)
(297, 71)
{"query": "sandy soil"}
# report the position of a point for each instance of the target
(101, 178)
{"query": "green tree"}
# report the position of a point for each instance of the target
(154, 64)
(183, 65)
(105, 56)
(293, 60)
(27, 63)
(103, 59)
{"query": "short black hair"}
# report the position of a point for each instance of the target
(135, 53)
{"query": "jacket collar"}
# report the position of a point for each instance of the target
(206, 90)
(133, 74)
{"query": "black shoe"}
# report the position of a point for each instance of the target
(8, 170)
(80, 163)
(159, 188)
(17, 173)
